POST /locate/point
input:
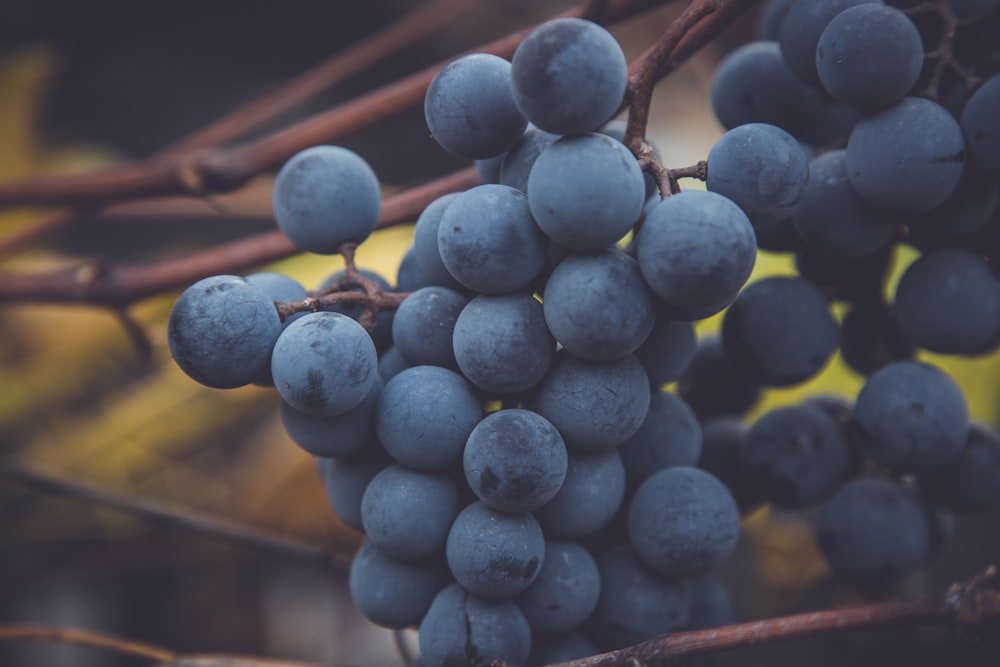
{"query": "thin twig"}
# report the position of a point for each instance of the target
(969, 604)
(42, 633)
(370, 50)
(168, 514)
(121, 285)
(209, 170)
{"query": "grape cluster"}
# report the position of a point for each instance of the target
(529, 489)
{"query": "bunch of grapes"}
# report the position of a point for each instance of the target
(499, 427)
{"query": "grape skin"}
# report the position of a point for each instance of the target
(424, 324)
(589, 497)
(340, 436)
(394, 593)
(565, 592)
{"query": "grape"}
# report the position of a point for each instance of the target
(948, 301)
(501, 343)
(968, 210)
(410, 277)
(595, 405)
(617, 129)
(597, 305)
(464, 629)
(870, 336)
(488, 169)
(569, 76)
(907, 158)
(425, 415)
(221, 331)
(345, 481)
(760, 167)
(668, 350)
(981, 125)
(754, 85)
(831, 219)
(394, 593)
(423, 326)
(800, 32)
(469, 107)
(425, 243)
(683, 521)
(338, 436)
(915, 414)
(586, 192)
(635, 603)
(324, 364)
(553, 649)
(381, 332)
(517, 162)
(798, 455)
(874, 532)
(712, 386)
(970, 483)
(326, 196)
(494, 554)
(515, 461)
(779, 331)
(488, 240)
(711, 606)
(391, 364)
(589, 497)
(869, 56)
(670, 436)
(771, 16)
(723, 443)
(408, 513)
(279, 287)
(696, 249)
(565, 592)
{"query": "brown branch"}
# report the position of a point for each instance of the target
(167, 514)
(967, 604)
(163, 657)
(209, 170)
(121, 285)
(701, 21)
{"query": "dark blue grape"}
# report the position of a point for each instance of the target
(565, 592)
(723, 444)
(869, 56)
(800, 30)
(636, 604)
(410, 277)
(597, 305)
(754, 85)
(616, 129)
(408, 513)
(779, 331)
(981, 125)
(586, 192)
(595, 405)
(915, 415)
(423, 326)
(488, 169)
(425, 415)
(569, 76)
(948, 301)
(221, 331)
(324, 364)
(381, 332)
(589, 497)
(494, 554)
(515, 461)
(668, 350)
(907, 158)
(760, 167)
(683, 522)
(550, 650)
(771, 15)
(464, 629)
(712, 385)
(470, 109)
(488, 240)
(870, 337)
(711, 606)
(394, 593)
(696, 249)
(391, 363)
(521, 157)
(797, 455)
(670, 436)
(779, 236)
(279, 287)
(970, 483)
(339, 436)
(831, 219)
(325, 196)
(501, 343)
(425, 243)
(345, 481)
(968, 210)
(874, 532)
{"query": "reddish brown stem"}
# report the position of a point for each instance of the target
(204, 171)
(119, 286)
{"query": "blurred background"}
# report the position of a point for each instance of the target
(90, 84)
